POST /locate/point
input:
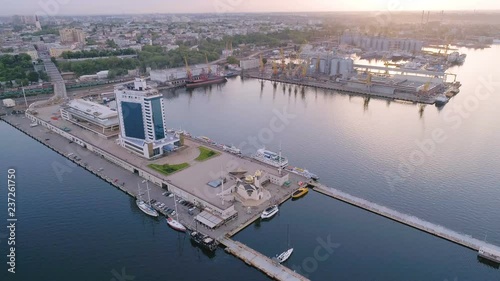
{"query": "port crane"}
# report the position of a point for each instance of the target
(262, 68)
(188, 70)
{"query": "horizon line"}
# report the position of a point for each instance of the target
(255, 12)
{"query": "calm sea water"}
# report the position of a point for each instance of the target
(85, 229)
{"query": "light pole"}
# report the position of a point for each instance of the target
(24, 94)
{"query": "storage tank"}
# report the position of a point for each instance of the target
(334, 66)
(343, 68)
(346, 67)
(322, 65)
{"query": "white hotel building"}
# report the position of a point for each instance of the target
(141, 111)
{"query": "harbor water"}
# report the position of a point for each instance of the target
(440, 165)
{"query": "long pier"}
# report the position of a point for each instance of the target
(422, 225)
(251, 257)
(334, 86)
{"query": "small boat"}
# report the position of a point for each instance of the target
(147, 209)
(441, 100)
(176, 225)
(300, 192)
(269, 212)
(204, 241)
(285, 255)
(231, 149)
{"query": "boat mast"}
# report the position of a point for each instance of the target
(288, 235)
(222, 186)
(139, 191)
(279, 161)
(176, 213)
(149, 198)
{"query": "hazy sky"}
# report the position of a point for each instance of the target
(64, 7)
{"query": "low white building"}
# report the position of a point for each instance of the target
(92, 116)
(9, 103)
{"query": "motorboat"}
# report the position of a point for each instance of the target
(204, 241)
(269, 212)
(300, 192)
(441, 100)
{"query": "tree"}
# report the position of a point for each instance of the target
(111, 74)
(111, 43)
(232, 60)
(44, 76)
(33, 76)
(264, 60)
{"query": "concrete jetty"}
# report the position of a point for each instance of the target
(425, 226)
(251, 257)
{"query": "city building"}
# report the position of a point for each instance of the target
(72, 35)
(57, 51)
(91, 116)
(141, 112)
(249, 64)
(38, 25)
(377, 43)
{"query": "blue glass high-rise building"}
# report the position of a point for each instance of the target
(141, 111)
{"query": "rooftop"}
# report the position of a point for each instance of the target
(91, 108)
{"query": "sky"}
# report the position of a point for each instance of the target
(79, 7)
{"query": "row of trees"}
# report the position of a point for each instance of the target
(97, 53)
(89, 67)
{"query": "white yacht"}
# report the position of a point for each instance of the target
(285, 255)
(232, 149)
(145, 207)
(271, 158)
(175, 224)
(269, 212)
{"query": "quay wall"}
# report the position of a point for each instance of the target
(385, 94)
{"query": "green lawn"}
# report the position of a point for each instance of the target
(168, 169)
(206, 153)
